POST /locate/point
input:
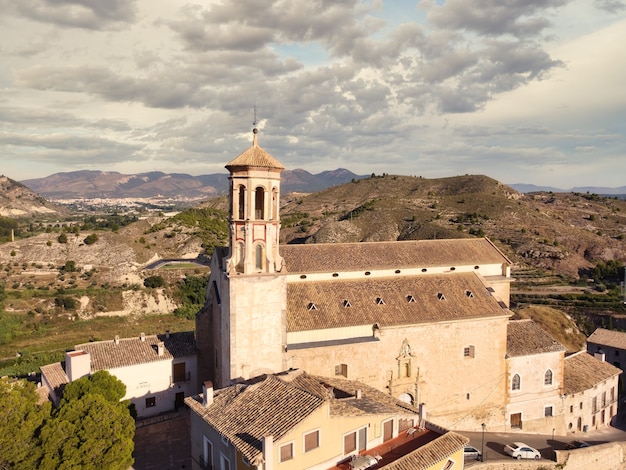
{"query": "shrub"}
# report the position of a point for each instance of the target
(154, 281)
(91, 239)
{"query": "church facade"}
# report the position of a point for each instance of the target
(424, 321)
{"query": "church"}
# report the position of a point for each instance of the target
(426, 321)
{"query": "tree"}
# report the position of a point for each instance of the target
(62, 238)
(88, 433)
(101, 383)
(91, 429)
(20, 421)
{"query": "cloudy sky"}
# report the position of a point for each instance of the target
(524, 91)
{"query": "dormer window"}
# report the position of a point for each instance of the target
(346, 303)
(410, 299)
(380, 301)
(311, 306)
(469, 294)
(440, 296)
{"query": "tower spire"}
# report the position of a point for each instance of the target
(255, 131)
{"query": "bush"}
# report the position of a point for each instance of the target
(91, 239)
(154, 281)
(62, 238)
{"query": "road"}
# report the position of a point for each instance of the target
(494, 442)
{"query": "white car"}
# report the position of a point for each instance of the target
(519, 450)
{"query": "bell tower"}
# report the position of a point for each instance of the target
(254, 216)
(242, 329)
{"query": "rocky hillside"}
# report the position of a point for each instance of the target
(17, 201)
(564, 232)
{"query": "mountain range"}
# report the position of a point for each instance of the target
(88, 184)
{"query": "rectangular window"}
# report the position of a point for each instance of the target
(547, 411)
(404, 424)
(594, 405)
(180, 373)
(604, 399)
(449, 464)
(468, 351)
(387, 430)
(286, 452)
(341, 369)
(224, 463)
(207, 451)
(612, 394)
(349, 443)
(311, 441)
(150, 402)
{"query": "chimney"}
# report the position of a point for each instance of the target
(160, 348)
(268, 452)
(117, 339)
(167, 333)
(207, 393)
(358, 394)
(422, 413)
(600, 356)
(77, 364)
(142, 336)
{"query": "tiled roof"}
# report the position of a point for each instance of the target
(107, 355)
(388, 301)
(246, 413)
(582, 371)
(367, 256)
(255, 156)
(275, 404)
(613, 339)
(56, 377)
(430, 454)
(525, 337)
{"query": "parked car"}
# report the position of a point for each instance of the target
(519, 450)
(472, 453)
(577, 444)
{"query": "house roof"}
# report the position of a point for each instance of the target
(389, 301)
(255, 156)
(106, 355)
(367, 256)
(430, 454)
(582, 371)
(55, 377)
(274, 404)
(613, 339)
(525, 338)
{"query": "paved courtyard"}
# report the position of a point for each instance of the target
(162, 443)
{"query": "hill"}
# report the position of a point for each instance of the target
(18, 201)
(103, 184)
(563, 232)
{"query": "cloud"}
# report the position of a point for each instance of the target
(612, 6)
(86, 14)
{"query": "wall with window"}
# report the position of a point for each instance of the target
(593, 408)
(452, 367)
(153, 386)
(534, 387)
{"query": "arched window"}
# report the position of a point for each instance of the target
(242, 202)
(258, 257)
(516, 382)
(240, 255)
(274, 204)
(547, 377)
(259, 203)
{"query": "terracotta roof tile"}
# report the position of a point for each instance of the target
(613, 339)
(255, 156)
(107, 355)
(367, 256)
(525, 337)
(582, 371)
(396, 307)
(430, 454)
(55, 377)
(275, 404)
